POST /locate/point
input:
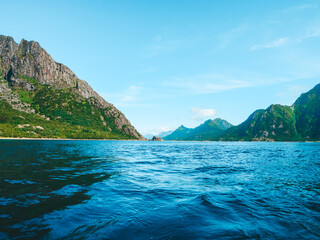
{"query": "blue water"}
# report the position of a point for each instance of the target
(159, 190)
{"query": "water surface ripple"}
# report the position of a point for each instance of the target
(159, 190)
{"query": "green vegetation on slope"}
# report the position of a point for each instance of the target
(307, 111)
(275, 123)
(209, 130)
(14, 123)
(301, 122)
(179, 134)
(62, 113)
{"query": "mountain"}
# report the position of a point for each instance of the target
(209, 130)
(164, 134)
(307, 112)
(299, 122)
(181, 133)
(275, 123)
(42, 98)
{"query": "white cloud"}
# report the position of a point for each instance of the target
(293, 90)
(160, 46)
(208, 87)
(204, 112)
(158, 130)
(137, 96)
(299, 8)
(227, 37)
(314, 33)
(311, 34)
(133, 96)
(277, 43)
(220, 82)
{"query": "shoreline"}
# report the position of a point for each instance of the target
(76, 139)
(63, 139)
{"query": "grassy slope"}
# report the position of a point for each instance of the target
(278, 123)
(209, 130)
(71, 116)
(281, 122)
(306, 109)
(179, 134)
(275, 123)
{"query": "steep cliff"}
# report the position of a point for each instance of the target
(32, 82)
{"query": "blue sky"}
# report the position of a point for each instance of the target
(167, 63)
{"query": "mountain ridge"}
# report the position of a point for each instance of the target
(205, 131)
(26, 69)
(298, 122)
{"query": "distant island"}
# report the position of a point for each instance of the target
(40, 98)
(299, 122)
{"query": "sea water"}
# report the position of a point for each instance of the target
(159, 190)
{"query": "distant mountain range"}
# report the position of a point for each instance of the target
(299, 122)
(161, 135)
(209, 130)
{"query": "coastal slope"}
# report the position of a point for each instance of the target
(299, 122)
(42, 98)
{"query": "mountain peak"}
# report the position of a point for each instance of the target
(28, 68)
(206, 131)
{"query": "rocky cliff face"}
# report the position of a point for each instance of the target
(28, 60)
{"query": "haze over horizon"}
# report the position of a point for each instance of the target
(164, 63)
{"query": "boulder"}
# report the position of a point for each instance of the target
(155, 138)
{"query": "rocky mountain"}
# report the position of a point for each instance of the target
(42, 98)
(299, 122)
(209, 130)
(155, 138)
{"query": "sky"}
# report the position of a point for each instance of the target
(169, 63)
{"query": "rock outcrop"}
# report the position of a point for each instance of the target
(155, 138)
(28, 60)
